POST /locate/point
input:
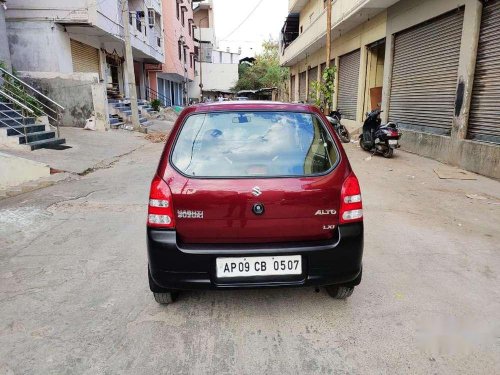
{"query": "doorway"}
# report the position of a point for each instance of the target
(374, 76)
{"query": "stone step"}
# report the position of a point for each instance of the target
(114, 120)
(7, 113)
(16, 121)
(6, 106)
(37, 136)
(29, 129)
(116, 125)
(46, 143)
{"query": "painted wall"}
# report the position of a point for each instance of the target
(4, 43)
(173, 31)
(357, 38)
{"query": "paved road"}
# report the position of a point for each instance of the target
(74, 295)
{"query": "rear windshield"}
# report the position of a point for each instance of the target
(252, 144)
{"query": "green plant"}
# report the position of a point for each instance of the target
(321, 92)
(155, 104)
(264, 72)
(17, 90)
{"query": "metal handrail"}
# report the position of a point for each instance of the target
(11, 127)
(30, 96)
(36, 106)
(33, 107)
(162, 97)
(12, 118)
(16, 101)
(31, 88)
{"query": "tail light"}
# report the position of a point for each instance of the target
(351, 207)
(160, 210)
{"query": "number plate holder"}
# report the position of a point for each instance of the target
(281, 265)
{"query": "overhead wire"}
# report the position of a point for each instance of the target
(244, 20)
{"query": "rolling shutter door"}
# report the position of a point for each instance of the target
(313, 76)
(424, 74)
(302, 87)
(484, 122)
(85, 58)
(348, 84)
(292, 89)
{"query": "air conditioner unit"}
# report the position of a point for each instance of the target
(151, 17)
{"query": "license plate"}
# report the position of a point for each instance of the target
(393, 141)
(259, 266)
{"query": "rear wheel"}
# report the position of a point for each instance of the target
(165, 298)
(344, 135)
(388, 153)
(162, 295)
(339, 291)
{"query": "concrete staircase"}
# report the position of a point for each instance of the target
(121, 112)
(19, 131)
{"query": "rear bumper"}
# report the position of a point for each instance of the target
(177, 266)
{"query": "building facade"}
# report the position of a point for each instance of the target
(215, 70)
(169, 83)
(429, 65)
(75, 50)
(4, 43)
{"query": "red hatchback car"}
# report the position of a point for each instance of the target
(254, 194)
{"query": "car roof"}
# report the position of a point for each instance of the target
(254, 105)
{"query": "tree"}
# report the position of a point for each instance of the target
(322, 91)
(264, 72)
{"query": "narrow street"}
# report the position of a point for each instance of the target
(74, 296)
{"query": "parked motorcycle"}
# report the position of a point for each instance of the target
(382, 139)
(334, 118)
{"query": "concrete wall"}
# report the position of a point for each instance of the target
(215, 77)
(79, 93)
(39, 46)
(15, 170)
(4, 43)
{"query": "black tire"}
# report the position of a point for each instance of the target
(388, 153)
(165, 298)
(361, 144)
(339, 291)
(344, 135)
(162, 295)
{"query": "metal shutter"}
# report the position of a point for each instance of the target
(484, 123)
(348, 84)
(85, 58)
(313, 76)
(424, 74)
(302, 87)
(292, 89)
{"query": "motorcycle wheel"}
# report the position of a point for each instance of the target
(344, 135)
(388, 153)
(362, 145)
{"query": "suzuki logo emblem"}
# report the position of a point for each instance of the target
(256, 191)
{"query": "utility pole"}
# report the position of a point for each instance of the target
(130, 67)
(200, 59)
(328, 40)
